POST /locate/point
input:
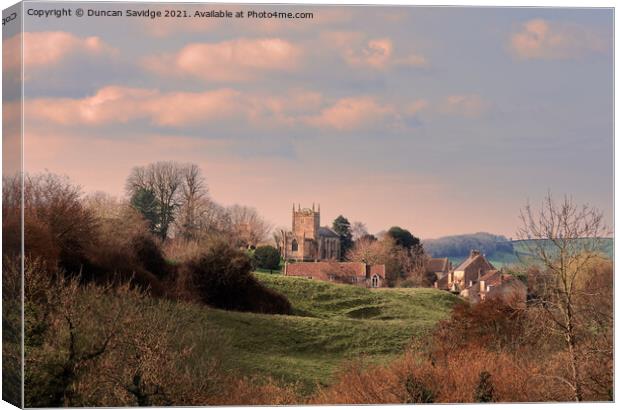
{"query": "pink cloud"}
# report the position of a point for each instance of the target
(466, 105)
(122, 104)
(352, 113)
(48, 48)
(542, 39)
(292, 110)
(51, 47)
(234, 60)
(115, 104)
(377, 54)
(415, 107)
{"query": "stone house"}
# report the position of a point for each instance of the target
(468, 271)
(354, 273)
(497, 285)
(477, 279)
(308, 240)
(438, 266)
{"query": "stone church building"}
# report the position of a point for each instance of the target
(308, 240)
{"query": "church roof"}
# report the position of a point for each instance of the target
(325, 231)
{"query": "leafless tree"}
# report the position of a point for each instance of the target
(248, 227)
(564, 239)
(371, 252)
(165, 181)
(193, 192)
(358, 230)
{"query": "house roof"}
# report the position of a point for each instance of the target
(325, 231)
(437, 265)
(473, 256)
(496, 278)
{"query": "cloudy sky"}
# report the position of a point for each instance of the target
(440, 120)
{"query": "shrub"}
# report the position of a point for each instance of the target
(417, 392)
(484, 390)
(89, 345)
(57, 226)
(11, 330)
(267, 257)
(221, 277)
(149, 255)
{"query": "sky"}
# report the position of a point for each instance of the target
(442, 120)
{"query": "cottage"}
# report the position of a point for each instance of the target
(497, 285)
(476, 279)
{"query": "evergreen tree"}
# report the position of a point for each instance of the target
(342, 227)
(267, 257)
(144, 201)
(403, 237)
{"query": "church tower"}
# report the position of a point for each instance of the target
(306, 222)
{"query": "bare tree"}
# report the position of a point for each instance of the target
(358, 230)
(248, 227)
(564, 239)
(193, 192)
(165, 181)
(371, 252)
(213, 218)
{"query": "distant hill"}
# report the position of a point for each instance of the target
(498, 249)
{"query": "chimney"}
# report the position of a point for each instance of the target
(473, 253)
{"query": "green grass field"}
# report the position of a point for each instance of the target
(331, 323)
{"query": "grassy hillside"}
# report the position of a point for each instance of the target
(331, 323)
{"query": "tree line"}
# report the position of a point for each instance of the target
(458, 246)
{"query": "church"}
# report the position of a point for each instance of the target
(308, 241)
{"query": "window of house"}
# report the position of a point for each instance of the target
(294, 245)
(375, 281)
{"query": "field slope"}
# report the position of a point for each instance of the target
(331, 323)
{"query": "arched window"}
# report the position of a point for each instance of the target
(375, 281)
(294, 245)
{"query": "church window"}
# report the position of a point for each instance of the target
(294, 245)
(375, 281)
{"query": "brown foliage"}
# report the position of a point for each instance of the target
(252, 391)
(221, 277)
(453, 380)
(113, 346)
